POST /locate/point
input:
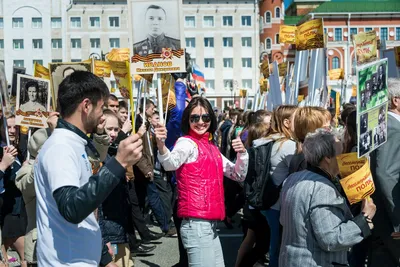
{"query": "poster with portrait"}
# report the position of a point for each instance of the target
(58, 71)
(156, 32)
(33, 101)
(372, 88)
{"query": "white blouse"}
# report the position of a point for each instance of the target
(185, 151)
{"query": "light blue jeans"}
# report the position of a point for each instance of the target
(201, 241)
(274, 226)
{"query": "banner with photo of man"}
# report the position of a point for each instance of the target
(33, 101)
(157, 36)
(58, 71)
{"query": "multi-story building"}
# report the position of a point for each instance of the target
(222, 37)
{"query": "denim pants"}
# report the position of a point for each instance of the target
(157, 206)
(273, 222)
(201, 242)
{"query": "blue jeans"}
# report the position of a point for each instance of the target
(157, 206)
(201, 241)
(274, 225)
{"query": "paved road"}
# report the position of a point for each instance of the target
(167, 254)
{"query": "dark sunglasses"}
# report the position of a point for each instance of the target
(195, 118)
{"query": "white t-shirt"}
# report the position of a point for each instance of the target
(63, 161)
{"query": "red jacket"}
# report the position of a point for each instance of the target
(200, 183)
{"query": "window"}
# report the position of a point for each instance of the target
(277, 38)
(338, 34)
(95, 42)
(209, 63)
(246, 20)
(1, 43)
(190, 21)
(19, 63)
(37, 23)
(114, 22)
(37, 43)
(268, 43)
(190, 42)
(209, 42)
(76, 60)
(76, 43)
(18, 22)
(398, 33)
(76, 22)
(246, 41)
(384, 34)
(38, 61)
(353, 31)
(227, 21)
(55, 23)
(228, 62)
(335, 63)
(368, 29)
(246, 62)
(18, 44)
(56, 60)
(56, 44)
(114, 42)
(277, 12)
(94, 22)
(210, 84)
(267, 17)
(1, 23)
(228, 103)
(246, 83)
(228, 41)
(208, 21)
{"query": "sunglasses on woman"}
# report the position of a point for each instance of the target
(195, 118)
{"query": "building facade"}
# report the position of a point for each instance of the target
(222, 38)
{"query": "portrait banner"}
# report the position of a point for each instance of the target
(310, 35)
(122, 74)
(4, 95)
(372, 129)
(365, 44)
(372, 87)
(33, 101)
(287, 34)
(156, 32)
(357, 181)
(40, 71)
(58, 71)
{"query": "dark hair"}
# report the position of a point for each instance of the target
(68, 68)
(233, 113)
(32, 84)
(261, 114)
(347, 109)
(350, 134)
(148, 103)
(123, 104)
(78, 86)
(156, 113)
(156, 7)
(251, 119)
(112, 97)
(195, 102)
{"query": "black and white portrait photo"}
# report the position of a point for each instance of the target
(365, 143)
(33, 99)
(58, 71)
(157, 26)
(363, 123)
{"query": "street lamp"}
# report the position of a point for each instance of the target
(98, 57)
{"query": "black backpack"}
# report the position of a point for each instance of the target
(260, 191)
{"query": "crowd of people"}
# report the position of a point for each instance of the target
(92, 183)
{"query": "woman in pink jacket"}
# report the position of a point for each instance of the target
(200, 168)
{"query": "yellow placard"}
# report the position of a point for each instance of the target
(336, 74)
(119, 54)
(287, 34)
(357, 182)
(397, 55)
(102, 68)
(366, 47)
(168, 91)
(282, 68)
(310, 35)
(41, 72)
(354, 90)
(263, 85)
(265, 68)
(243, 93)
(300, 98)
(122, 74)
(337, 107)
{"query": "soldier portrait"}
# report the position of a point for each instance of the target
(160, 29)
